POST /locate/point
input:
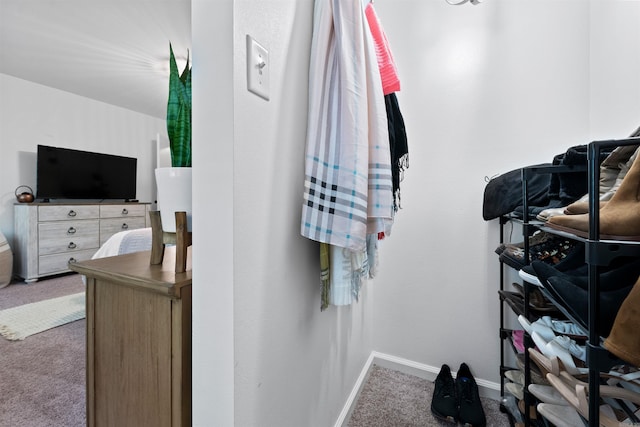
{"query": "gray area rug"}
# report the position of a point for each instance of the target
(393, 399)
(17, 323)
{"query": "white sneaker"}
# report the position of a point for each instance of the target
(556, 348)
(562, 327)
(548, 328)
(578, 351)
(542, 329)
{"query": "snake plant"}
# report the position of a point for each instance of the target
(179, 113)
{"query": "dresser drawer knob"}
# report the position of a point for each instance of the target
(125, 211)
(72, 245)
(72, 260)
(71, 230)
(72, 213)
(125, 226)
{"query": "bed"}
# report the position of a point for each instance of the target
(125, 242)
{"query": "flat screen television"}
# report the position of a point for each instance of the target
(63, 173)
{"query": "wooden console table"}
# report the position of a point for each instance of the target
(138, 341)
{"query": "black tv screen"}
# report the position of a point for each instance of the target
(63, 173)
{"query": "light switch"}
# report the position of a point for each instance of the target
(257, 68)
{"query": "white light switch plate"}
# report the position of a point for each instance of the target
(257, 68)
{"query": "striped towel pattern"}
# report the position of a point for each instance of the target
(348, 189)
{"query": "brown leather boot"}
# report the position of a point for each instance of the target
(580, 207)
(613, 166)
(619, 218)
(624, 339)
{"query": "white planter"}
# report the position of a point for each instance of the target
(174, 195)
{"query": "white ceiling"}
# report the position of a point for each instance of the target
(114, 51)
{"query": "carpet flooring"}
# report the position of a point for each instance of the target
(393, 399)
(42, 378)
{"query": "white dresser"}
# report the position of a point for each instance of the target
(49, 235)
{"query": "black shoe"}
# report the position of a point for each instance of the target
(573, 301)
(620, 273)
(470, 412)
(551, 251)
(444, 404)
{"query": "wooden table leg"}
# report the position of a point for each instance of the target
(157, 243)
(183, 241)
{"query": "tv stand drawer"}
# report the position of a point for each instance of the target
(57, 263)
(48, 235)
(67, 212)
(122, 211)
(68, 236)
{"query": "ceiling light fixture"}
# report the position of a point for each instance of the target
(459, 2)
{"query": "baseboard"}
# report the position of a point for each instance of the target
(486, 388)
(348, 407)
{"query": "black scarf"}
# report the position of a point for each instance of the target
(397, 144)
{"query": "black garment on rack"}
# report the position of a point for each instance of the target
(397, 144)
(503, 193)
(565, 188)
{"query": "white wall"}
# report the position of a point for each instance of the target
(614, 68)
(213, 213)
(294, 365)
(32, 114)
(253, 273)
(486, 89)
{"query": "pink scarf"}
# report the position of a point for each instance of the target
(388, 71)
